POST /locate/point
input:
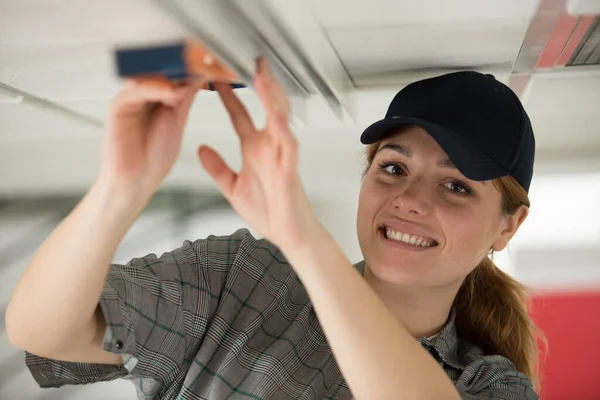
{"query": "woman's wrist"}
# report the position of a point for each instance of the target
(125, 200)
(316, 245)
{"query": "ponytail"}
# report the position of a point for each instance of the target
(492, 314)
(492, 307)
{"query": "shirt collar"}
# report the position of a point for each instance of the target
(445, 344)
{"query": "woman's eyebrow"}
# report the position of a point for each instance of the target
(398, 148)
(446, 163)
(405, 151)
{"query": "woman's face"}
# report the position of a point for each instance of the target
(412, 192)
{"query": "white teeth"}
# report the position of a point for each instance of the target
(407, 238)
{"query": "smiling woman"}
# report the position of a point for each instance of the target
(425, 316)
(452, 163)
(491, 307)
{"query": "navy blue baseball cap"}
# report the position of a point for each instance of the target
(478, 121)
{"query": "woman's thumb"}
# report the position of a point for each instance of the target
(219, 171)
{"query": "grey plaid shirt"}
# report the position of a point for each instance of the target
(227, 318)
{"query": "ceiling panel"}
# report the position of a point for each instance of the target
(565, 108)
(61, 49)
(565, 132)
(24, 121)
(377, 39)
(378, 50)
(61, 71)
(565, 92)
(381, 13)
(583, 7)
(33, 22)
(48, 165)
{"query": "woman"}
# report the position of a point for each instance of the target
(426, 316)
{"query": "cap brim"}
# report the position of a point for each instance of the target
(468, 158)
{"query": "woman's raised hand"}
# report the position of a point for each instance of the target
(266, 192)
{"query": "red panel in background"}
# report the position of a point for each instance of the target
(576, 37)
(557, 41)
(571, 323)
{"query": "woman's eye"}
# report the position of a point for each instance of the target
(392, 169)
(458, 188)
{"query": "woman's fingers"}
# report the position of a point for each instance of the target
(216, 167)
(271, 95)
(278, 109)
(136, 94)
(188, 95)
(135, 97)
(273, 98)
(237, 111)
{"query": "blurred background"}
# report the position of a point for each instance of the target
(57, 76)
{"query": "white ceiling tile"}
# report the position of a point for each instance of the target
(568, 92)
(50, 165)
(56, 22)
(25, 121)
(564, 132)
(583, 7)
(564, 108)
(393, 13)
(380, 50)
(61, 72)
(61, 49)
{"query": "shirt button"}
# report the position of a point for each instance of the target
(119, 344)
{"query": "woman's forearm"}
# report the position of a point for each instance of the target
(59, 291)
(377, 356)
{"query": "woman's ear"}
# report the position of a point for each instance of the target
(511, 225)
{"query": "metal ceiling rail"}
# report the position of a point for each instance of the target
(237, 32)
(559, 35)
(539, 32)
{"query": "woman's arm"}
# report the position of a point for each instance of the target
(53, 308)
(53, 311)
(377, 356)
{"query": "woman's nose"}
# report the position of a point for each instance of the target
(414, 198)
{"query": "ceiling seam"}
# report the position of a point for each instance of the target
(337, 54)
(49, 105)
